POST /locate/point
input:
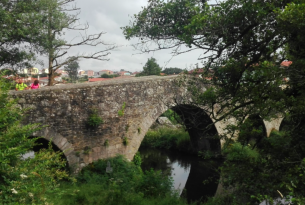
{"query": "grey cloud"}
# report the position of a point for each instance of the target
(109, 16)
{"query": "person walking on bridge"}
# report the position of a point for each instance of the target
(20, 85)
(35, 85)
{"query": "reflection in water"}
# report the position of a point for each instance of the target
(188, 172)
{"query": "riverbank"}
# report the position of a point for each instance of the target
(125, 184)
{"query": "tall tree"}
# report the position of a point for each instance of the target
(244, 42)
(151, 67)
(61, 16)
(72, 68)
(20, 25)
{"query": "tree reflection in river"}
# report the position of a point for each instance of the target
(196, 179)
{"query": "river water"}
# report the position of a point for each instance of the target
(195, 179)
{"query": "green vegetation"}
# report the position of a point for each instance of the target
(72, 67)
(125, 141)
(172, 116)
(127, 127)
(172, 71)
(139, 130)
(150, 68)
(24, 181)
(122, 110)
(94, 119)
(105, 75)
(167, 138)
(127, 184)
(87, 150)
(106, 143)
(137, 159)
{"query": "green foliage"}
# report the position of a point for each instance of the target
(122, 110)
(151, 67)
(43, 75)
(171, 71)
(106, 143)
(20, 22)
(137, 160)
(72, 68)
(94, 119)
(127, 184)
(24, 181)
(125, 141)
(172, 116)
(167, 138)
(139, 130)
(127, 127)
(87, 150)
(105, 75)
(77, 153)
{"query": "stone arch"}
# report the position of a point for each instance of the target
(62, 143)
(148, 119)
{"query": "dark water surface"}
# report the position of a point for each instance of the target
(194, 178)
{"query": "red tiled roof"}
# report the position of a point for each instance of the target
(98, 79)
(286, 63)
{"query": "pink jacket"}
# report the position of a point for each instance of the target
(34, 86)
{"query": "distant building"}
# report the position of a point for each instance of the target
(29, 71)
(45, 70)
(81, 72)
(108, 72)
(89, 73)
(124, 73)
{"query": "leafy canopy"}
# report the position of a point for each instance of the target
(151, 67)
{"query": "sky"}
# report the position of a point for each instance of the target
(108, 16)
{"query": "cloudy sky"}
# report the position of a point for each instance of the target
(109, 16)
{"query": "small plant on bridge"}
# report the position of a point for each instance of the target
(87, 150)
(139, 130)
(127, 127)
(125, 141)
(77, 153)
(106, 143)
(94, 119)
(122, 110)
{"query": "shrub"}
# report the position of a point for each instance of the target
(122, 110)
(94, 119)
(167, 138)
(24, 181)
(137, 160)
(106, 143)
(125, 141)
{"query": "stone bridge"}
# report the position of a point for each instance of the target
(65, 109)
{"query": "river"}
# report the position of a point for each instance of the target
(194, 178)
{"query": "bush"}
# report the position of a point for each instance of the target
(167, 138)
(24, 181)
(127, 184)
(94, 119)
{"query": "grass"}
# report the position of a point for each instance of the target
(127, 184)
(167, 138)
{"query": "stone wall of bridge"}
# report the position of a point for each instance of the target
(65, 109)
